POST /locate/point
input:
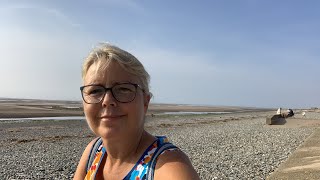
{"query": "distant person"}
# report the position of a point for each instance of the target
(278, 111)
(290, 113)
(116, 97)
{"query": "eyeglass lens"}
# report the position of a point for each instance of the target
(121, 92)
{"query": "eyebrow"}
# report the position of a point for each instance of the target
(113, 84)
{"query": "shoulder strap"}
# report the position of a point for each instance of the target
(93, 151)
(165, 146)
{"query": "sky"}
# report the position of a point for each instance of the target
(251, 53)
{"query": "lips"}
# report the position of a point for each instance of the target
(111, 117)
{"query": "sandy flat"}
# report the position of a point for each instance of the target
(16, 108)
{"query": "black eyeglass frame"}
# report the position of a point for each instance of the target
(110, 89)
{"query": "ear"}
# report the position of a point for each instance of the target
(146, 102)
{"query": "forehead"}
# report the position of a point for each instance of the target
(108, 74)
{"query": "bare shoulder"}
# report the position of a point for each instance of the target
(174, 164)
(81, 169)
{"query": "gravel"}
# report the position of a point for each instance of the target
(238, 146)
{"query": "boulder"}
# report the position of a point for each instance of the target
(275, 119)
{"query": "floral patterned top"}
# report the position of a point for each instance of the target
(139, 171)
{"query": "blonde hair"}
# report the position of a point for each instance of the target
(104, 53)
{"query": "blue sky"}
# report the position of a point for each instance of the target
(238, 53)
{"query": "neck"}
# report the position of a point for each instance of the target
(124, 149)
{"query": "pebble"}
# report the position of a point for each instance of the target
(235, 149)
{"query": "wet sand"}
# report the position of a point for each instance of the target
(17, 108)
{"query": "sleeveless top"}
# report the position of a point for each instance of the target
(140, 169)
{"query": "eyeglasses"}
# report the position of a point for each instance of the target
(124, 92)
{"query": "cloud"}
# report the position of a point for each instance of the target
(199, 77)
(17, 11)
(129, 5)
(176, 75)
(38, 66)
(40, 62)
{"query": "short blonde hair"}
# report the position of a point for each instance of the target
(105, 53)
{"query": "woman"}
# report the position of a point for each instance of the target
(115, 99)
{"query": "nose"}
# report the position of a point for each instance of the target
(108, 100)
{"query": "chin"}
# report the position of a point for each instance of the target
(108, 132)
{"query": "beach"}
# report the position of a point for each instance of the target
(233, 145)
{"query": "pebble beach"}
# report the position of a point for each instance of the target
(225, 146)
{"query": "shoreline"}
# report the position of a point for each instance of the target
(42, 108)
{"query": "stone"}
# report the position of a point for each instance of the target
(275, 119)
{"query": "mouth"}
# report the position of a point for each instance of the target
(111, 117)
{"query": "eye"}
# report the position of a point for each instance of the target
(124, 88)
(94, 90)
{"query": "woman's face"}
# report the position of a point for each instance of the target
(110, 118)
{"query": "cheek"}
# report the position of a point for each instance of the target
(138, 110)
(87, 108)
(90, 112)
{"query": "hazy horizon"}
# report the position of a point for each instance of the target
(155, 103)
